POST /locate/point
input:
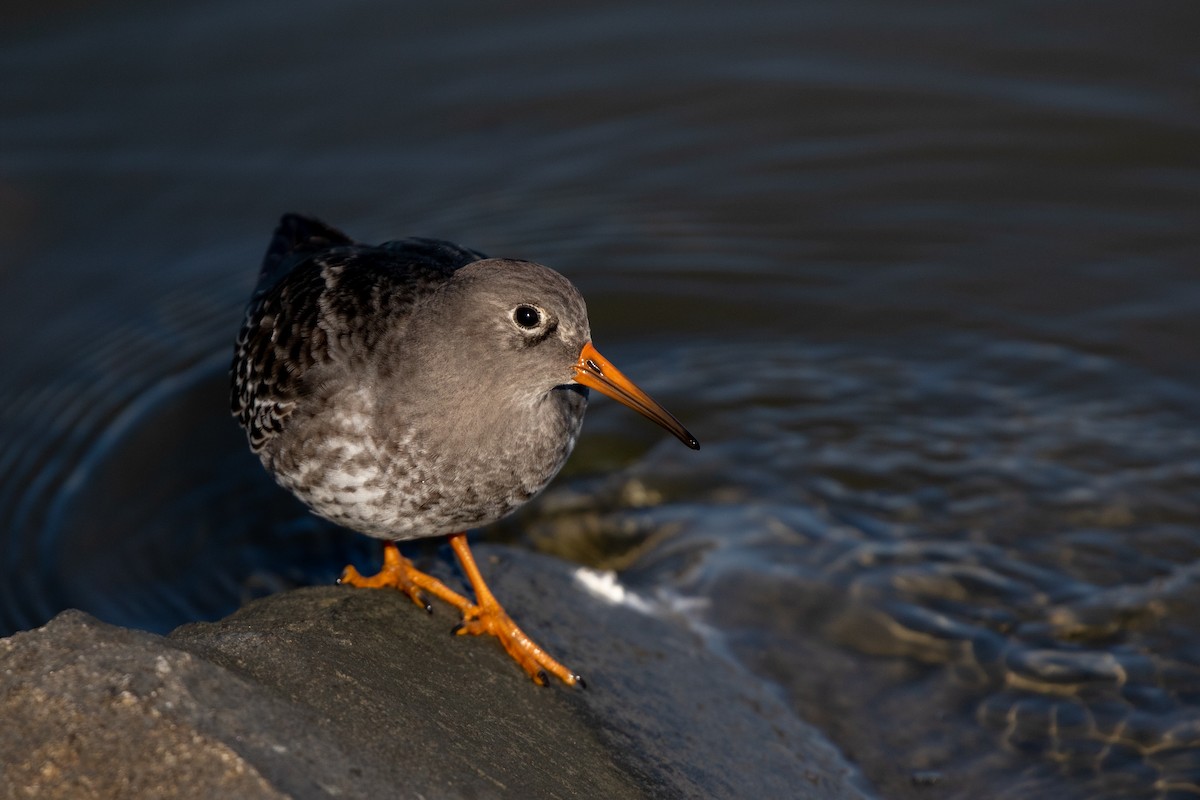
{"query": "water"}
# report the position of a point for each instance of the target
(921, 277)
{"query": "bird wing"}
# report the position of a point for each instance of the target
(323, 300)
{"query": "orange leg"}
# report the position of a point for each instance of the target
(399, 573)
(483, 616)
(488, 617)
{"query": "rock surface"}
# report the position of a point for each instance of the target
(341, 692)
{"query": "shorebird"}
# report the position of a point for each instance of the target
(415, 389)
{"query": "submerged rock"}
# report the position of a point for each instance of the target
(341, 692)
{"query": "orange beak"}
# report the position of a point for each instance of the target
(594, 371)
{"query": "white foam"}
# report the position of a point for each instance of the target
(603, 584)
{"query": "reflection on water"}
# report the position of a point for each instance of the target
(921, 279)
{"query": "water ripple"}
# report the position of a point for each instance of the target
(1010, 515)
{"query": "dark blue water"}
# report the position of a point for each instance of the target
(922, 277)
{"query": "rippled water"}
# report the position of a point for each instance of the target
(922, 278)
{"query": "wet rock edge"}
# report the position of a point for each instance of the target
(334, 691)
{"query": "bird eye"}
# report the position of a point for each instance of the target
(526, 316)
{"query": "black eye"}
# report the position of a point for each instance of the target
(527, 316)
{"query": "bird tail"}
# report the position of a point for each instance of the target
(297, 234)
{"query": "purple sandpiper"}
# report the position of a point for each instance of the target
(415, 389)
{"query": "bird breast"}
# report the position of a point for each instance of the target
(396, 475)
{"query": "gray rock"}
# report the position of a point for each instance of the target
(341, 692)
(90, 710)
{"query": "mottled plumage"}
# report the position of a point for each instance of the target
(335, 394)
(417, 388)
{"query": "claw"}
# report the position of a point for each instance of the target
(487, 616)
(399, 573)
(483, 616)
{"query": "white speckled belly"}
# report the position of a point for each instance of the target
(394, 487)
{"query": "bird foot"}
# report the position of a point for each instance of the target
(484, 617)
(399, 573)
(490, 618)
